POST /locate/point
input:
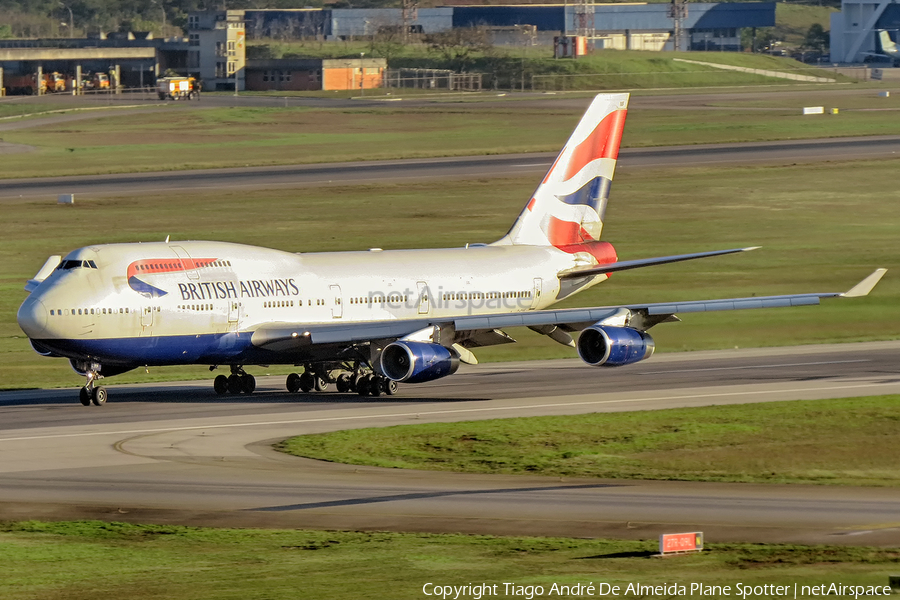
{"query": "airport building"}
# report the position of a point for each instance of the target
(217, 52)
(706, 26)
(855, 29)
(310, 74)
(214, 50)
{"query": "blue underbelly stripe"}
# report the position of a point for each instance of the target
(211, 348)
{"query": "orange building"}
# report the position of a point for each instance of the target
(308, 74)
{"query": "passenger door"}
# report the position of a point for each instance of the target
(337, 308)
(424, 303)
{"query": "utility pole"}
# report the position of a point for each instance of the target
(71, 20)
(678, 11)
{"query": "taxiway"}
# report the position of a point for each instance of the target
(174, 453)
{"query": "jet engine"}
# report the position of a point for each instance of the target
(418, 362)
(608, 346)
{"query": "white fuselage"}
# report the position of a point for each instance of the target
(162, 294)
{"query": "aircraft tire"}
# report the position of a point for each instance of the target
(293, 383)
(391, 387)
(248, 383)
(321, 384)
(363, 384)
(307, 382)
(376, 386)
(343, 383)
(220, 384)
(85, 396)
(99, 396)
(234, 384)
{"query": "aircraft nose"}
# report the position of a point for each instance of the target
(32, 318)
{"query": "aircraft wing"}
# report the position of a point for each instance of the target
(283, 336)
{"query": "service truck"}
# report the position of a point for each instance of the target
(24, 85)
(177, 88)
(56, 82)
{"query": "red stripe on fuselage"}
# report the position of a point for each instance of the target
(153, 266)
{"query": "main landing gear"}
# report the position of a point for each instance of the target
(239, 382)
(355, 381)
(90, 393)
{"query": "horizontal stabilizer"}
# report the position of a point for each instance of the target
(625, 265)
(865, 286)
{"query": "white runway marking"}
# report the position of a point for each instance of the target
(804, 364)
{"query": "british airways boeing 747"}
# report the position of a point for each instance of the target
(365, 321)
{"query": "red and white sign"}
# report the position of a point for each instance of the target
(670, 543)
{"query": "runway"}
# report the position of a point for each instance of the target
(174, 453)
(508, 165)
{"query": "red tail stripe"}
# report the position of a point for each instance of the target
(561, 233)
(602, 143)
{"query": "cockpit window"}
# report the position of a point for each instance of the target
(68, 265)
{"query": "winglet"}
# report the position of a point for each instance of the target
(865, 286)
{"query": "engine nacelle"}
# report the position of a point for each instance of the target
(418, 362)
(608, 346)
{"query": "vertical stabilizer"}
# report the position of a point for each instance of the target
(568, 206)
(888, 46)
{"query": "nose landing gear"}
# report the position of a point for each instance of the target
(90, 393)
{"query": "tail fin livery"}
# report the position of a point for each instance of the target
(888, 46)
(568, 206)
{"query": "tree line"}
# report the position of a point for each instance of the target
(78, 18)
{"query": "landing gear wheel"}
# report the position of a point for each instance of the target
(85, 396)
(234, 384)
(98, 396)
(220, 384)
(293, 383)
(391, 387)
(248, 383)
(321, 384)
(376, 386)
(343, 383)
(307, 381)
(362, 385)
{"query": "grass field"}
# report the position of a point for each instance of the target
(792, 21)
(236, 137)
(823, 227)
(839, 442)
(88, 560)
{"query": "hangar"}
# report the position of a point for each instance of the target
(854, 30)
(215, 49)
(128, 61)
(708, 25)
